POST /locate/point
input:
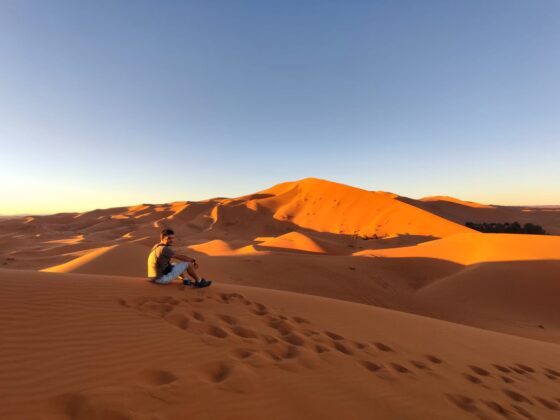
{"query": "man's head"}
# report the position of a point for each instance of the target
(167, 236)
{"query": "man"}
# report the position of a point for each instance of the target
(160, 269)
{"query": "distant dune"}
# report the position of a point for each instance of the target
(465, 211)
(471, 248)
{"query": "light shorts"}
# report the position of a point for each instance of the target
(173, 274)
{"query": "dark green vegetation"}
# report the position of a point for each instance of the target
(506, 227)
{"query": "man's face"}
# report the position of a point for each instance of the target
(168, 240)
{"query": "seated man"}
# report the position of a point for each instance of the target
(160, 269)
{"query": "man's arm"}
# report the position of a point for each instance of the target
(185, 258)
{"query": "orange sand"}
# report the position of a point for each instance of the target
(330, 302)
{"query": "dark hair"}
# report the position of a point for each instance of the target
(166, 232)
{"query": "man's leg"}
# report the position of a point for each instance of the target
(192, 272)
(175, 272)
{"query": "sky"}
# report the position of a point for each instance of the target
(113, 103)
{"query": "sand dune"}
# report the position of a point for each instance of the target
(462, 212)
(516, 297)
(293, 241)
(121, 348)
(124, 259)
(214, 247)
(446, 198)
(330, 207)
(474, 248)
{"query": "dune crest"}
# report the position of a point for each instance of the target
(294, 241)
(111, 260)
(456, 201)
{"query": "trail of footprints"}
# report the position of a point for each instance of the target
(292, 344)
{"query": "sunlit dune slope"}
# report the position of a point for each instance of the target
(123, 259)
(214, 247)
(121, 348)
(331, 207)
(471, 248)
(293, 241)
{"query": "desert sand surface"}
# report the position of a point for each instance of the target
(330, 301)
(107, 347)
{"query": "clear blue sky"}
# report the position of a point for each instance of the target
(107, 103)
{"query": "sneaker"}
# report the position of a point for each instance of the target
(202, 283)
(187, 282)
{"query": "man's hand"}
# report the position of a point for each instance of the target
(187, 259)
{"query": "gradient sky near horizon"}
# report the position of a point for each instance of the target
(110, 103)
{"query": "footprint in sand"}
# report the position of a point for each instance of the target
(479, 371)
(434, 359)
(282, 351)
(359, 345)
(243, 353)
(515, 369)
(80, 406)
(471, 378)
(383, 347)
(334, 336)
(526, 368)
(464, 403)
(217, 372)
(372, 367)
(502, 369)
(179, 320)
(229, 375)
(399, 368)
(551, 374)
(260, 309)
(498, 408)
(280, 325)
(158, 377)
(342, 348)
(233, 298)
(523, 412)
(419, 365)
(228, 319)
(215, 331)
(300, 320)
(294, 338)
(319, 349)
(243, 332)
(198, 316)
(517, 397)
(551, 405)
